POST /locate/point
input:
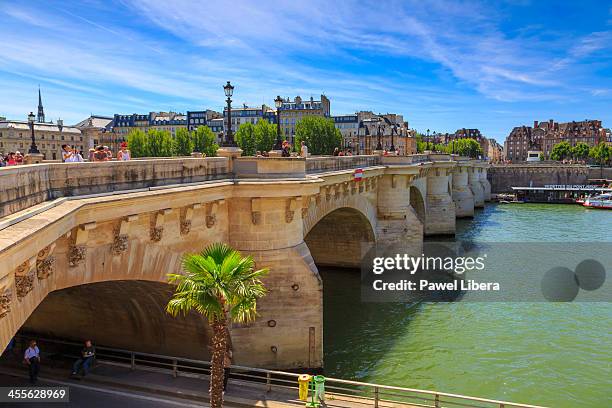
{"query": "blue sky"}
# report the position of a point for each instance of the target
(442, 64)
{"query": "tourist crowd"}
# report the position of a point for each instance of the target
(71, 155)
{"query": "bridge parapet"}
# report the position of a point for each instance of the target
(22, 187)
(270, 167)
(320, 164)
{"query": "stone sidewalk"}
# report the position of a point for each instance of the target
(239, 393)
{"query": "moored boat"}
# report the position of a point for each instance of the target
(603, 201)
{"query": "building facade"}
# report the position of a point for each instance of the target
(245, 114)
(168, 121)
(543, 136)
(201, 118)
(495, 154)
(97, 130)
(15, 135)
(348, 125)
(291, 112)
(389, 129)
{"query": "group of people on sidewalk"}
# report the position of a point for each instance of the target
(31, 358)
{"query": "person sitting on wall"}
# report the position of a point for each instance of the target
(87, 356)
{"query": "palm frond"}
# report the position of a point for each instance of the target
(216, 282)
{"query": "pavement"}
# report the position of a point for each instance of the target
(113, 385)
(91, 396)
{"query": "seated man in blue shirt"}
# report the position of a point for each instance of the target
(87, 356)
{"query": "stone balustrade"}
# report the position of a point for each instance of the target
(22, 187)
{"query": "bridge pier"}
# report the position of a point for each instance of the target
(462, 194)
(289, 330)
(440, 206)
(397, 223)
(476, 187)
(484, 182)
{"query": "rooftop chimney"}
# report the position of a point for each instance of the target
(535, 124)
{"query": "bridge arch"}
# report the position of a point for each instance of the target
(121, 314)
(322, 205)
(417, 202)
(340, 238)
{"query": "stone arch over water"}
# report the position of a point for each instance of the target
(340, 238)
(417, 202)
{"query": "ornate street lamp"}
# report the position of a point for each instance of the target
(229, 91)
(392, 148)
(379, 144)
(433, 143)
(278, 102)
(428, 141)
(33, 148)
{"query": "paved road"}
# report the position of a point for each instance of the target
(88, 396)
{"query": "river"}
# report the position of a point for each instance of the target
(552, 354)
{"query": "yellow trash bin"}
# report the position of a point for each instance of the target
(303, 381)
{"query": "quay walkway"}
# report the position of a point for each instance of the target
(187, 379)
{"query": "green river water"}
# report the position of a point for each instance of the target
(552, 354)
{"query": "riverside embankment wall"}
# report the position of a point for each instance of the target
(505, 176)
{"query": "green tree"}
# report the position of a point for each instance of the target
(183, 145)
(159, 143)
(245, 138)
(223, 286)
(601, 153)
(466, 147)
(420, 142)
(319, 134)
(580, 151)
(204, 141)
(137, 143)
(265, 136)
(561, 151)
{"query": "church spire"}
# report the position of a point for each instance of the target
(40, 118)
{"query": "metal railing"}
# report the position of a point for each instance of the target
(354, 392)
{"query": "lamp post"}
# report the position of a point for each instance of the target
(33, 148)
(229, 91)
(278, 102)
(433, 142)
(392, 149)
(379, 135)
(427, 143)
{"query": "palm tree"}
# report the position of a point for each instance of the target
(223, 286)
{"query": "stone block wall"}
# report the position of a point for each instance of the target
(25, 186)
(504, 177)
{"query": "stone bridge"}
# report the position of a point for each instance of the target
(85, 248)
